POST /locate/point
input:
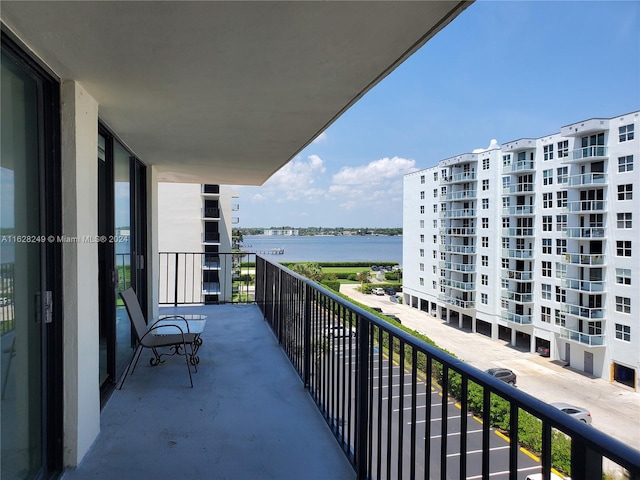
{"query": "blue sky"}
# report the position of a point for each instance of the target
(501, 69)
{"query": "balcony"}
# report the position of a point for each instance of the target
(517, 318)
(458, 231)
(210, 213)
(583, 285)
(518, 188)
(520, 166)
(236, 421)
(212, 238)
(458, 177)
(585, 206)
(519, 210)
(462, 249)
(458, 267)
(585, 260)
(517, 275)
(585, 232)
(459, 195)
(593, 152)
(456, 301)
(517, 297)
(518, 232)
(460, 213)
(457, 285)
(515, 253)
(583, 338)
(586, 179)
(588, 313)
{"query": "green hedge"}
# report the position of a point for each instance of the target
(332, 284)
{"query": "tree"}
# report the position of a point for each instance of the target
(312, 271)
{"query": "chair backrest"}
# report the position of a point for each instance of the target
(135, 312)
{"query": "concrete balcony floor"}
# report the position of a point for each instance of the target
(247, 417)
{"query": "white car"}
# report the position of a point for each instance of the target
(377, 291)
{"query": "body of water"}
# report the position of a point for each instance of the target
(347, 248)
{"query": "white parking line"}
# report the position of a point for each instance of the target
(453, 433)
(505, 472)
(478, 451)
(434, 419)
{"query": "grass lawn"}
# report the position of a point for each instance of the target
(344, 269)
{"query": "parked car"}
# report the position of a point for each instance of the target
(503, 374)
(377, 291)
(390, 291)
(340, 331)
(578, 413)
(394, 298)
(392, 317)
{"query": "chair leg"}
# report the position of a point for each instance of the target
(134, 361)
(186, 359)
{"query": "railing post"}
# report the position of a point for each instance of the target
(306, 333)
(362, 396)
(175, 284)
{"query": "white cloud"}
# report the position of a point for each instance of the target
(258, 197)
(376, 172)
(297, 174)
(320, 138)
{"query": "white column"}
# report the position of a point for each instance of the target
(79, 147)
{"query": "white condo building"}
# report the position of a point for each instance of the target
(195, 243)
(535, 242)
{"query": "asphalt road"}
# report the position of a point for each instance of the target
(615, 408)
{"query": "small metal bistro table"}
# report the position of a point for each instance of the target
(190, 323)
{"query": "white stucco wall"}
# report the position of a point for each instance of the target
(79, 145)
(179, 217)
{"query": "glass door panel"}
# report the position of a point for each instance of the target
(20, 276)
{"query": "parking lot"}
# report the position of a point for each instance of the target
(615, 408)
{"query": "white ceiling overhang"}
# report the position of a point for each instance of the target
(224, 92)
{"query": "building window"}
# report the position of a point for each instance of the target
(623, 332)
(626, 132)
(546, 246)
(561, 270)
(443, 256)
(484, 260)
(434, 285)
(435, 193)
(435, 208)
(421, 178)
(547, 200)
(421, 238)
(623, 304)
(546, 269)
(546, 291)
(625, 192)
(435, 224)
(623, 248)
(422, 195)
(434, 270)
(561, 198)
(505, 263)
(435, 254)
(545, 314)
(485, 203)
(484, 279)
(548, 152)
(563, 149)
(561, 295)
(435, 239)
(485, 222)
(421, 281)
(561, 246)
(421, 223)
(485, 242)
(484, 298)
(443, 191)
(547, 222)
(506, 160)
(422, 267)
(623, 276)
(561, 223)
(625, 164)
(435, 176)
(485, 184)
(506, 222)
(563, 175)
(421, 208)
(422, 252)
(547, 177)
(624, 220)
(560, 318)
(485, 164)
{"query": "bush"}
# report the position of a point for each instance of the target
(332, 284)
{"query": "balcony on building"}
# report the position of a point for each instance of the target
(518, 253)
(210, 190)
(587, 154)
(458, 213)
(211, 288)
(456, 301)
(516, 210)
(584, 285)
(517, 275)
(585, 232)
(455, 248)
(582, 338)
(457, 231)
(518, 188)
(583, 312)
(211, 238)
(522, 298)
(458, 285)
(518, 318)
(518, 232)
(520, 166)
(582, 259)
(585, 206)
(210, 213)
(457, 267)
(586, 179)
(459, 195)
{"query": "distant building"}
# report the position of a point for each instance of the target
(287, 232)
(195, 221)
(534, 242)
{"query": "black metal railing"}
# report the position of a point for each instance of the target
(402, 408)
(201, 278)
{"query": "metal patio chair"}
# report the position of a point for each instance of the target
(150, 336)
